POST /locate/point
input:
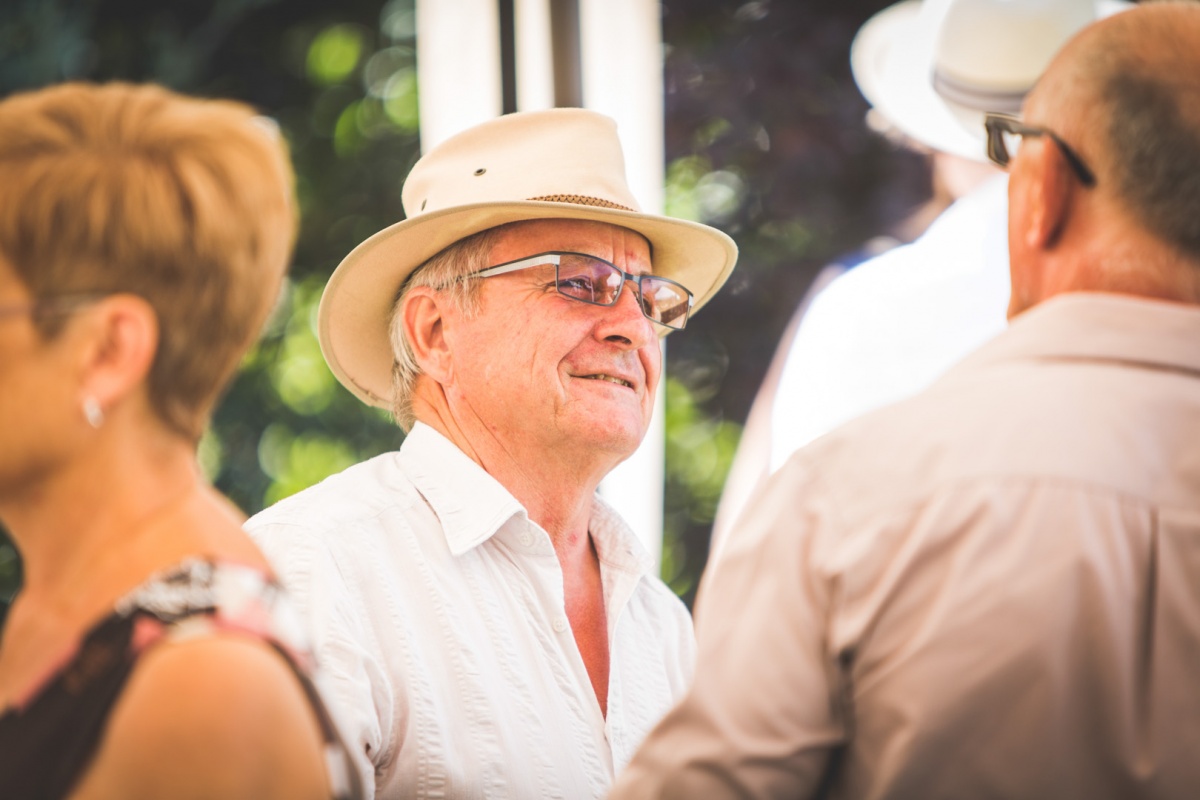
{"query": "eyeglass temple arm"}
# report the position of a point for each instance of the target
(513, 266)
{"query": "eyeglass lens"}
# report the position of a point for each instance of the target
(598, 282)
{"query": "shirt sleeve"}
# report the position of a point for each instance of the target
(349, 676)
(767, 707)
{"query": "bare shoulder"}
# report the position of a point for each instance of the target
(217, 716)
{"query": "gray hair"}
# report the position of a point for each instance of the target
(1147, 111)
(1157, 156)
(447, 272)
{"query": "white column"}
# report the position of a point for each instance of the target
(535, 61)
(621, 42)
(458, 66)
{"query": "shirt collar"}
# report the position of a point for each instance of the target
(470, 503)
(1088, 326)
(616, 544)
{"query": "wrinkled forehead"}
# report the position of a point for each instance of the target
(622, 246)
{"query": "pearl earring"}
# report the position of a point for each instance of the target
(92, 412)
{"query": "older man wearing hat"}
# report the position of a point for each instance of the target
(490, 628)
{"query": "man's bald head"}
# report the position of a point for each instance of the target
(1126, 93)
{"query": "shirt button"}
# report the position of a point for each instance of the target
(527, 538)
(560, 624)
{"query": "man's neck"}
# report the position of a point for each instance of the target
(1117, 257)
(556, 493)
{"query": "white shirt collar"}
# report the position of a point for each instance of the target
(473, 506)
(470, 503)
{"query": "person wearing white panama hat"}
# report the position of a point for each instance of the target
(491, 627)
(990, 589)
(884, 330)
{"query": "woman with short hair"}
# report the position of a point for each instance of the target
(143, 241)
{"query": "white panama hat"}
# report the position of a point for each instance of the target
(563, 163)
(933, 68)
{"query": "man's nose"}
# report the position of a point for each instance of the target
(625, 319)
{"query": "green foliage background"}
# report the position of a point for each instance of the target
(764, 139)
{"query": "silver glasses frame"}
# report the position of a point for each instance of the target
(554, 257)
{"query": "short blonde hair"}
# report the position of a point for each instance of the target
(187, 203)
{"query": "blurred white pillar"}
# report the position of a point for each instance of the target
(621, 42)
(535, 59)
(458, 66)
(460, 83)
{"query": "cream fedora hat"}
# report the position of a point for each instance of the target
(933, 68)
(563, 163)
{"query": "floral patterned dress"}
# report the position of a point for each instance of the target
(48, 738)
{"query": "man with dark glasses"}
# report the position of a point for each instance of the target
(993, 589)
(491, 626)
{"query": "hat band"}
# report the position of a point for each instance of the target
(582, 200)
(964, 94)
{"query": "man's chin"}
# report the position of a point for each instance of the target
(618, 440)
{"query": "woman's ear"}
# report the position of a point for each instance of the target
(425, 326)
(121, 333)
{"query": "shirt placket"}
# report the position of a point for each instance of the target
(542, 569)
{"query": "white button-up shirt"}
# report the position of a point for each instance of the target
(437, 613)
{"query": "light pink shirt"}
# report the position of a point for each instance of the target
(436, 611)
(989, 590)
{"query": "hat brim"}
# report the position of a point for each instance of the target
(892, 60)
(356, 306)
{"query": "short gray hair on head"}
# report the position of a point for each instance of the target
(1156, 151)
(1144, 100)
(447, 272)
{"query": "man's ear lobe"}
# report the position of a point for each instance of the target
(122, 339)
(425, 327)
(1051, 194)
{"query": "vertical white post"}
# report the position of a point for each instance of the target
(458, 66)
(535, 60)
(621, 42)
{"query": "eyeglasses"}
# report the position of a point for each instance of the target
(1004, 133)
(59, 304)
(593, 280)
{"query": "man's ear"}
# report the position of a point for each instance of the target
(425, 327)
(1050, 194)
(121, 340)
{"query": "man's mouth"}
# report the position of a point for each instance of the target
(611, 379)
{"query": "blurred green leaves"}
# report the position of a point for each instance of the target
(334, 54)
(297, 370)
(295, 461)
(699, 453)
(696, 191)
